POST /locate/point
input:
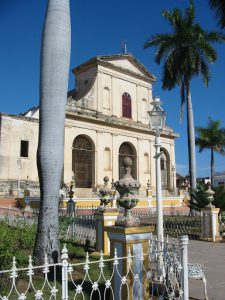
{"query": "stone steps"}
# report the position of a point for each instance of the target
(85, 192)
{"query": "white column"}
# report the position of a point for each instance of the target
(184, 263)
(99, 92)
(64, 258)
(96, 160)
(113, 96)
(214, 224)
(159, 209)
(115, 155)
(139, 178)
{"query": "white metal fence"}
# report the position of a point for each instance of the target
(161, 273)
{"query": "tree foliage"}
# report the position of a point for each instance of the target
(219, 197)
(211, 137)
(200, 199)
(186, 52)
(219, 7)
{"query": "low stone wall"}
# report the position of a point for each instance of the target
(9, 188)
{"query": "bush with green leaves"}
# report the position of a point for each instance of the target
(200, 199)
(17, 237)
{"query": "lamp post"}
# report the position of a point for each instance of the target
(157, 119)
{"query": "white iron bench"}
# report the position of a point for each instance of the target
(196, 271)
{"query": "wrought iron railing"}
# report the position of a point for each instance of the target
(175, 225)
(80, 229)
(161, 273)
(222, 228)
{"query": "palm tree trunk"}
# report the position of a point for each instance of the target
(212, 167)
(55, 58)
(191, 138)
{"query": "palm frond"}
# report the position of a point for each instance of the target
(219, 7)
(214, 36)
(172, 17)
(190, 14)
(157, 40)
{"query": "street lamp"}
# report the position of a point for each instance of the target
(157, 117)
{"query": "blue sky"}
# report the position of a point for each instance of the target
(98, 28)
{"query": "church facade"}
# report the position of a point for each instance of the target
(106, 120)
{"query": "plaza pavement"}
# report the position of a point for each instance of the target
(212, 256)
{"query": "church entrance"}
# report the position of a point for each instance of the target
(83, 161)
(127, 149)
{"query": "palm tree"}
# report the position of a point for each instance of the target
(186, 52)
(219, 7)
(55, 58)
(212, 137)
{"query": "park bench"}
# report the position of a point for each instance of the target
(196, 271)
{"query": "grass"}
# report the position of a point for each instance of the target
(17, 239)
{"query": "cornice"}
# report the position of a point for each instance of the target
(114, 122)
(19, 117)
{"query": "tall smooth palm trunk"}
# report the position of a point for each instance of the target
(55, 58)
(212, 167)
(191, 140)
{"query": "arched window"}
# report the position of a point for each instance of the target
(107, 159)
(106, 98)
(126, 106)
(146, 163)
(83, 161)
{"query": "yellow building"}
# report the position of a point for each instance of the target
(106, 120)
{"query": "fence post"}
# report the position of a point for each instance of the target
(64, 257)
(184, 261)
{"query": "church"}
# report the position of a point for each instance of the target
(107, 119)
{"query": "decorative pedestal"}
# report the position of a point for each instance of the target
(114, 203)
(103, 219)
(137, 239)
(149, 193)
(210, 223)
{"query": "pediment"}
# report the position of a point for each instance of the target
(125, 64)
(129, 63)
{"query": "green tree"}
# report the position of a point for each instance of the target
(219, 7)
(211, 137)
(199, 198)
(55, 58)
(219, 197)
(186, 52)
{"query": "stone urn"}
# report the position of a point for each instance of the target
(210, 195)
(128, 188)
(105, 194)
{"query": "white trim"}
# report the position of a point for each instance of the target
(129, 237)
